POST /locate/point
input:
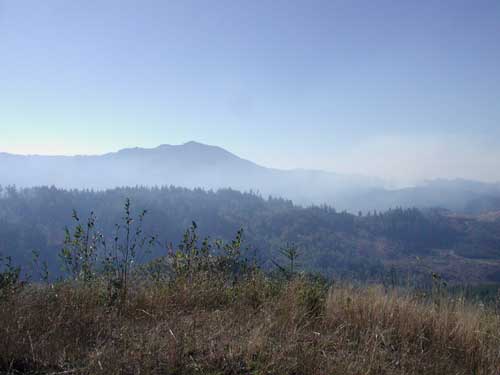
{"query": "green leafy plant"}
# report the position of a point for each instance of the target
(10, 277)
(291, 253)
(215, 258)
(40, 267)
(129, 242)
(88, 254)
(79, 252)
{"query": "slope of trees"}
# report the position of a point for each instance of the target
(330, 242)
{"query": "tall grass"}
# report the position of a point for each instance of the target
(256, 325)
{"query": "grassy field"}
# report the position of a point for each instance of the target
(254, 325)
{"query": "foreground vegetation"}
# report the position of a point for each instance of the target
(254, 325)
(207, 308)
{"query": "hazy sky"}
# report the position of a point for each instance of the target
(399, 89)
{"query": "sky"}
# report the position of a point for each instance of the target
(403, 90)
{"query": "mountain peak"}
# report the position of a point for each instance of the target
(195, 153)
(194, 143)
(190, 144)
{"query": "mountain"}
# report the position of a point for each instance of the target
(470, 197)
(189, 165)
(196, 165)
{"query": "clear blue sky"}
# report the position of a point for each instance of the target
(400, 89)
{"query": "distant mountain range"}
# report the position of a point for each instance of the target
(458, 195)
(194, 165)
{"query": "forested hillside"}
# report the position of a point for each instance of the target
(402, 243)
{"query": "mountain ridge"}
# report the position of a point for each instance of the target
(198, 165)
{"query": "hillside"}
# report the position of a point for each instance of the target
(371, 246)
(470, 197)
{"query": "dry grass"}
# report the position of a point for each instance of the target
(255, 326)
